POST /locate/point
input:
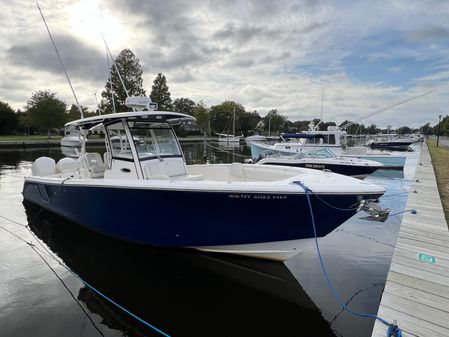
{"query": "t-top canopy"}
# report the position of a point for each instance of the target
(147, 116)
(301, 135)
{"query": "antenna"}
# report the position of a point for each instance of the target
(115, 65)
(60, 61)
(110, 83)
(321, 113)
(387, 108)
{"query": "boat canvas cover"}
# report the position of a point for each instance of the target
(301, 135)
(150, 116)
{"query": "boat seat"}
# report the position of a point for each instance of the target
(168, 168)
(66, 165)
(236, 170)
(94, 165)
(43, 166)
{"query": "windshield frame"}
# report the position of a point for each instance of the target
(151, 144)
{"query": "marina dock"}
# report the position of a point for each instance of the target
(416, 292)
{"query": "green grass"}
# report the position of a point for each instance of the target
(25, 138)
(440, 161)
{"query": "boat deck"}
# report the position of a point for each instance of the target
(416, 293)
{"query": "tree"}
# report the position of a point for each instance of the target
(323, 126)
(353, 128)
(301, 125)
(160, 93)
(184, 105)
(131, 72)
(426, 129)
(9, 120)
(249, 121)
(74, 113)
(46, 111)
(274, 122)
(444, 127)
(404, 130)
(221, 117)
(372, 129)
(202, 115)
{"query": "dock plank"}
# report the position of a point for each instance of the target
(424, 285)
(416, 292)
(419, 296)
(410, 326)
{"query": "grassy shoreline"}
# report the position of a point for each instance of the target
(20, 138)
(440, 162)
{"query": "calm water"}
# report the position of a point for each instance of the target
(184, 293)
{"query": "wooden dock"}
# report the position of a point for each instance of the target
(416, 293)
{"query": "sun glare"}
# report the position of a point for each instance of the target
(89, 20)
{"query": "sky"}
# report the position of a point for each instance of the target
(339, 59)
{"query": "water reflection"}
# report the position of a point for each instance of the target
(182, 292)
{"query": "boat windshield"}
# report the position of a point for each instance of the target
(119, 141)
(321, 153)
(154, 140)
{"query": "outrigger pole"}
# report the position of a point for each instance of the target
(115, 66)
(60, 61)
(387, 108)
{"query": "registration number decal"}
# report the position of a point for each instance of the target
(258, 196)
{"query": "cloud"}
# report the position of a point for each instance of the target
(264, 54)
(78, 59)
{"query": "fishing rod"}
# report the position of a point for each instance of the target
(60, 61)
(110, 83)
(115, 66)
(387, 108)
(109, 67)
(99, 109)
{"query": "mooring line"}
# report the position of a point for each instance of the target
(234, 154)
(33, 247)
(393, 329)
(67, 288)
(79, 277)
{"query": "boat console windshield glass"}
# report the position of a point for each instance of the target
(154, 139)
(322, 153)
(150, 140)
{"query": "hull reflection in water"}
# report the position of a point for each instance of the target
(182, 292)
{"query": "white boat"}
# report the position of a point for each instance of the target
(255, 138)
(324, 159)
(72, 137)
(141, 190)
(333, 139)
(227, 137)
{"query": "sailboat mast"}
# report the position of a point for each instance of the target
(233, 123)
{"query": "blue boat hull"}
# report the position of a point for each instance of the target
(185, 218)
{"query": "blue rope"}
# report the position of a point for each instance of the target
(393, 329)
(121, 307)
(411, 210)
(76, 275)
